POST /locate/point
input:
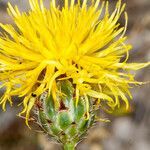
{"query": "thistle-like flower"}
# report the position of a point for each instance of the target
(80, 42)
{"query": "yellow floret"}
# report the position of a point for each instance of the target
(79, 41)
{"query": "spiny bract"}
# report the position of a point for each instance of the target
(70, 123)
(80, 41)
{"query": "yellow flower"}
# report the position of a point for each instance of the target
(79, 41)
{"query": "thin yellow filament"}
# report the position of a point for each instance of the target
(82, 41)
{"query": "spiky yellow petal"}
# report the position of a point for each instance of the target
(79, 41)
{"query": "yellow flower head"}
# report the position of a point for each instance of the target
(81, 41)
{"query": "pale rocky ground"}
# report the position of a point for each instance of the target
(130, 132)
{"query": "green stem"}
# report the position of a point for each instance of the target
(69, 146)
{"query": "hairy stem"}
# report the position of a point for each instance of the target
(69, 146)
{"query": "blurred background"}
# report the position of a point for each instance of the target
(127, 130)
